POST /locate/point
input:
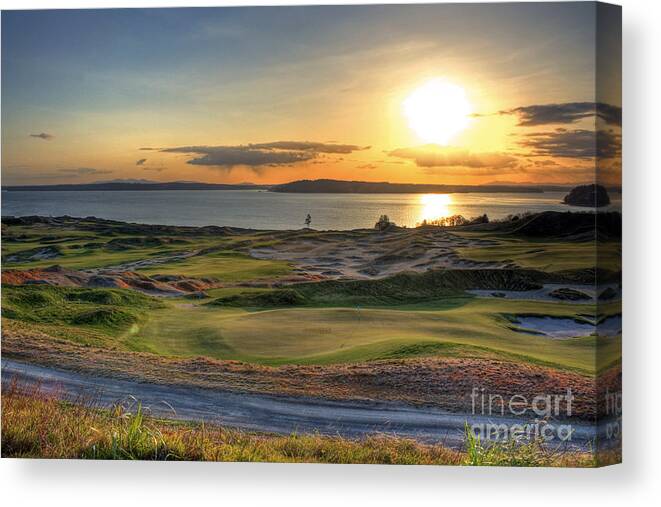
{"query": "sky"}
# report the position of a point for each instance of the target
(457, 94)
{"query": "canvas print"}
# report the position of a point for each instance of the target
(385, 234)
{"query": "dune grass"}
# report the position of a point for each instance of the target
(38, 425)
(85, 252)
(221, 292)
(87, 316)
(80, 249)
(226, 266)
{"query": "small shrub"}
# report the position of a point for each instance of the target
(281, 297)
(383, 223)
(482, 219)
(30, 296)
(101, 297)
(451, 221)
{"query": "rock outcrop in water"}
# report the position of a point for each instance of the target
(589, 196)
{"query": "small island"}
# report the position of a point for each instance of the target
(589, 196)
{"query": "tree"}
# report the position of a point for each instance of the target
(483, 219)
(308, 221)
(383, 223)
(451, 221)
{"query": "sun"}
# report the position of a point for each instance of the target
(435, 206)
(437, 111)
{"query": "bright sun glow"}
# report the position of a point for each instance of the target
(437, 111)
(435, 206)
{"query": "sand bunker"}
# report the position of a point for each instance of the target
(366, 255)
(546, 293)
(554, 327)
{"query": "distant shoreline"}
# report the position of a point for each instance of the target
(123, 187)
(303, 187)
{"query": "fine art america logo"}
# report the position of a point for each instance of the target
(545, 408)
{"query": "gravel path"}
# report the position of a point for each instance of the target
(277, 414)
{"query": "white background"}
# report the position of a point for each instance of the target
(637, 481)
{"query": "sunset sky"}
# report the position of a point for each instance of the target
(429, 94)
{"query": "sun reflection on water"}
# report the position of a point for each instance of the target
(435, 206)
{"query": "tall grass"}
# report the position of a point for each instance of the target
(515, 454)
(36, 424)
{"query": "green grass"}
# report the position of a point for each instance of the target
(406, 288)
(82, 249)
(544, 255)
(405, 315)
(222, 292)
(469, 327)
(478, 327)
(398, 289)
(76, 255)
(79, 250)
(267, 299)
(35, 425)
(225, 266)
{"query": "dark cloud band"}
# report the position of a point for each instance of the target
(261, 154)
(567, 113)
(83, 171)
(44, 136)
(580, 143)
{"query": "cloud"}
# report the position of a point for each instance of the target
(44, 136)
(83, 171)
(309, 146)
(140, 161)
(544, 163)
(611, 115)
(580, 143)
(436, 156)
(567, 113)
(230, 156)
(261, 154)
(146, 148)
